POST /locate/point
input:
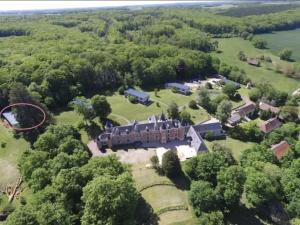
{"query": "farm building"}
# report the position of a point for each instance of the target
(253, 62)
(270, 125)
(243, 111)
(181, 88)
(224, 80)
(10, 117)
(140, 96)
(280, 149)
(266, 107)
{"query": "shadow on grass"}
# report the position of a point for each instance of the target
(145, 214)
(181, 182)
(243, 215)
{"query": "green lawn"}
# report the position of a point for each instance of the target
(161, 196)
(124, 111)
(236, 146)
(9, 156)
(284, 39)
(230, 48)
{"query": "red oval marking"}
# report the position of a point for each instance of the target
(26, 104)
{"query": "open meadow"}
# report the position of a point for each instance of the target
(284, 39)
(230, 48)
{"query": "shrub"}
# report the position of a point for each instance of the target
(268, 59)
(174, 90)
(132, 99)
(154, 161)
(208, 85)
(193, 104)
(3, 144)
(121, 90)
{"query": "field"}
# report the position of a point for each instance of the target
(230, 48)
(9, 156)
(162, 193)
(278, 40)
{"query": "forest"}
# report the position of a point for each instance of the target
(53, 59)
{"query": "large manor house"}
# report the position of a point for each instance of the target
(159, 129)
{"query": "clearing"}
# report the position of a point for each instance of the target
(266, 72)
(278, 40)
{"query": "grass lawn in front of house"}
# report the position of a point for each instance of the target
(236, 146)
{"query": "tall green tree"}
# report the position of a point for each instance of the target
(224, 111)
(109, 201)
(101, 106)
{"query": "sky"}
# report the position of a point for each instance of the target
(34, 5)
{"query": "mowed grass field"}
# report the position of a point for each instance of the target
(9, 156)
(230, 48)
(162, 196)
(236, 146)
(284, 39)
(123, 111)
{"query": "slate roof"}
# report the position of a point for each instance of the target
(234, 118)
(136, 93)
(11, 118)
(265, 107)
(270, 125)
(179, 86)
(280, 149)
(208, 126)
(196, 140)
(226, 81)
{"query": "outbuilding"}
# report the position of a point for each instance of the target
(181, 88)
(140, 96)
(10, 117)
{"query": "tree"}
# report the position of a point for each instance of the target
(206, 167)
(84, 107)
(289, 113)
(109, 201)
(259, 43)
(255, 94)
(101, 106)
(242, 56)
(171, 164)
(259, 188)
(185, 117)
(204, 99)
(100, 166)
(285, 54)
(23, 215)
(230, 90)
(211, 218)
(257, 153)
(231, 185)
(173, 110)
(224, 111)
(193, 104)
(202, 197)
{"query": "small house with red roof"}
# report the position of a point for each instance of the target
(266, 107)
(270, 125)
(280, 149)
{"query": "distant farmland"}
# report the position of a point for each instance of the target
(284, 39)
